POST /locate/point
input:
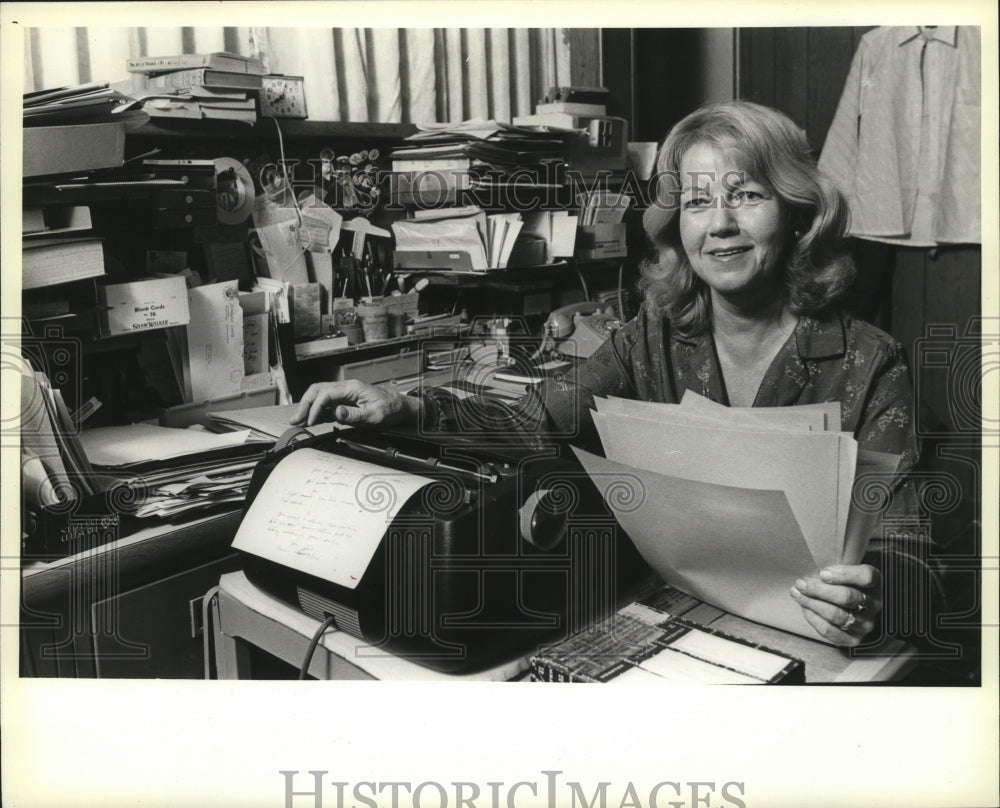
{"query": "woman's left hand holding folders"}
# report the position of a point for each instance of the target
(842, 603)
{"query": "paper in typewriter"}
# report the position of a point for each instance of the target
(733, 506)
(324, 514)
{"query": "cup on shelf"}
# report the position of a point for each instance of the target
(353, 333)
(397, 322)
(374, 317)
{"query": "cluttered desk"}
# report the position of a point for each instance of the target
(462, 556)
(411, 556)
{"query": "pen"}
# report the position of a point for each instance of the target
(366, 270)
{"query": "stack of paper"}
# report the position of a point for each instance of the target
(175, 471)
(55, 468)
(556, 228)
(94, 102)
(487, 239)
(490, 151)
(265, 423)
(733, 505)
(601, 206)
(199, 103)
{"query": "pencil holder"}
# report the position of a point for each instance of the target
(353, 333)
(374, 319)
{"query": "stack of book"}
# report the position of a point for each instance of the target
(199, 103)
(212, 86)
(571, 109)
(59, 246)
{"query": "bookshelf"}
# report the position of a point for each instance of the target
(344, 132)
(77, 602)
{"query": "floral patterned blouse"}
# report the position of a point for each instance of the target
(826, 358)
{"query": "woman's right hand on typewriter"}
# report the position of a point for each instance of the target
(355, 403)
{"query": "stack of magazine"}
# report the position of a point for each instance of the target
(94, 102)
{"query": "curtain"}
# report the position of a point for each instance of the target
(387, 75)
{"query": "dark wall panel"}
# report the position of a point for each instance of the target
(904, 290)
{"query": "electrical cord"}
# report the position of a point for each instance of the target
(284, 174)
(330, 620)
(287, 187)
(583, 283)
(621, 302)
(206, 622)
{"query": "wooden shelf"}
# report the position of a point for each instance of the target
(363, 349)
(291, 129)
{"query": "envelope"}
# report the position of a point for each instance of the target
(215, 340)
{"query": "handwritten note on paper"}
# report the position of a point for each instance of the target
(325, 515)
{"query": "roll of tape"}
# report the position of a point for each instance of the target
(234, 193)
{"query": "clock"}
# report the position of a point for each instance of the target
(283, 97)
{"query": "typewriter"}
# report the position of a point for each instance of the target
(503, 547)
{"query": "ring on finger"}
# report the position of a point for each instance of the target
(850, 621)
(862, 604)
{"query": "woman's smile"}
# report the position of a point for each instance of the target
(728, 253)
(733, 228)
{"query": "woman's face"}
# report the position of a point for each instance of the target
(734, 229)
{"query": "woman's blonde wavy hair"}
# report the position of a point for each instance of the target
(774, 151)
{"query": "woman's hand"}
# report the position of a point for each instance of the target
(356, 403)
(843, 603)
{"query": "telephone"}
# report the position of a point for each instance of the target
(579, 329)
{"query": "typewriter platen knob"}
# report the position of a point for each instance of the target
(542, 524)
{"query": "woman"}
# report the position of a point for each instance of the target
(739, 307)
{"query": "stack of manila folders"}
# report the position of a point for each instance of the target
(732, 505)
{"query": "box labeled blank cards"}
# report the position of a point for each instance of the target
(144, 305)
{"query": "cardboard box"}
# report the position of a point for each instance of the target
(143, 305)
(81, 147)
(305, 299)
(598, 241)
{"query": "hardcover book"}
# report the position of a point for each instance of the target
(231, 62)
(206, 77)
